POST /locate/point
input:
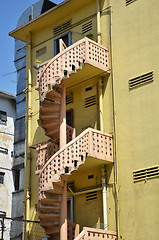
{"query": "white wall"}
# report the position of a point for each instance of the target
(6, 161)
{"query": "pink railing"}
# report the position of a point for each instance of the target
(72, 230)
(90, 142)
(44, 153)
(47, 149)
(96, 234)
(84, 51)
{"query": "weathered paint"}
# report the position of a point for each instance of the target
(7, 104)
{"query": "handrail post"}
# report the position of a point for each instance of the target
(63, 116)
(63, 215)
(86, 50)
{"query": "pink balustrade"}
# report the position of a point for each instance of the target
(90, 142)
(96, 234)
(47, 149)
(44, 152)
(70, 59)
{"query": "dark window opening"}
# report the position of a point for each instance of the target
(16, 179)
(69, 117)
(2, 177)
(3, 116)
(67, 40)
(30, 17)
(91, 176)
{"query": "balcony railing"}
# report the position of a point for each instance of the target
(96, 234)
(47, 149)
(70, 59)
(90, 142)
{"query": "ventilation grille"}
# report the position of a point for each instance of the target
(143, 79)
(69, 98)
(91, 196)
(87, 27)
(129, 2)
(145, 174)
(62, 28)
(90, 101)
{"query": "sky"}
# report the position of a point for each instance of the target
(11, 10)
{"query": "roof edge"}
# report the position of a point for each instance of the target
(40, 16)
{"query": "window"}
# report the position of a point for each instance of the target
(69, 117)
(3, 117)
(67, 40)
(70, 208)
(41, 52)
(3, 150)
(2, 177)
(17, 179)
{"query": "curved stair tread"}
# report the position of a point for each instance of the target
(49, 109)
(50, 125)
(53, 133)
(53, 94)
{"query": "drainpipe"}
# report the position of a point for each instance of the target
(28, 133)
(100, 82)
(98, 22)
(100, 95)
(104, 195)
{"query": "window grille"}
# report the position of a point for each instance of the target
(90, 101)
(145, 174)
(129, 2)
(69, 98)
(62, 28)
(140, 80)
(87, 27)
(91, 196)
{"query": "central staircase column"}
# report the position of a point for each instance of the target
(63, 116)
(63, 216)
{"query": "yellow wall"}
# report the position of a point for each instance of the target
(135, 52)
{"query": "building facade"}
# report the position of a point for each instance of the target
(7, 117)
(19, 141)
(91, 158)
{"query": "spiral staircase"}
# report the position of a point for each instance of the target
(64, 153)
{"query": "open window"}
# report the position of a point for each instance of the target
(70, 208)
(66, 39)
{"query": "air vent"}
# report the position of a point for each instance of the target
(69, 98)
(91, 196)
(90, 101)
(129, 2)
(87, 27)
(145, 174)
(62, 28)
(143, 79)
